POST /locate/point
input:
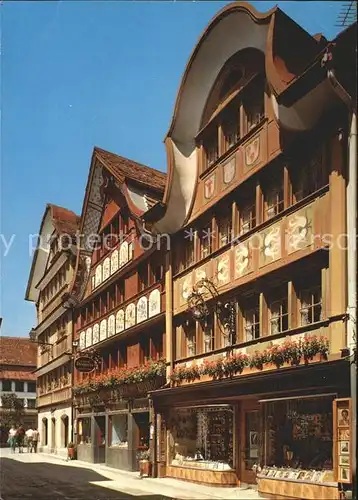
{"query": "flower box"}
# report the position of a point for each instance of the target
(123, 382)
(308, 350)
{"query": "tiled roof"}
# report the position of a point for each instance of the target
(133, 170)
(17, 351)
(17, 375)
(65, 221)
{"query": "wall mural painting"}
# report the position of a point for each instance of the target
(223, 269)
(88, 337)
(243, 259)
(82, 340)
(270, 241)
(98, 279)
(114, 261)
(154, 303)
(252, 153)
(96, 334)
(111, 325)
(120, 321)
(299, 230)
(106, 268)
(103, 330)
(185, 288)
(142, 309)
(209, 187)
(111, 264)
(229, 171)
(123, 254)
(130, 315)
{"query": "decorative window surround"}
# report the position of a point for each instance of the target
(115, 260)
(123, 318)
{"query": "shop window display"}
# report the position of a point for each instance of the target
(202, 438)
(119, 431)
(298, 440)
(84, 431)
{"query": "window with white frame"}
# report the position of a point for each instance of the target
(247, 218)
(252, 324)
(273, 195)
(205, 238)
(310, 305)
(278, 316)
(189, 327)
(224, 222)
(209, 333)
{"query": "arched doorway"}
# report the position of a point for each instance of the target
(44, 432)
(65, 430)
(53, 434)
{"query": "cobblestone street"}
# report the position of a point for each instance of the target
(42, 477)
(34, 477)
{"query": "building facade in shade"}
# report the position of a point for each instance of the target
(259, 152)
(119, 300)
(17, 366)
(51, 273)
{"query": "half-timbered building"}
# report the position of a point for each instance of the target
(119, 297)
(50, 276)
(256, 203)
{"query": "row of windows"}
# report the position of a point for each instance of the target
(26, 402)
(57, 379)
(19, 386)
(110, 237)
(57, 282)
(149, 347)
(234, 122)
(149, 273)
(250, 205)
(259, 315)
(56, 330)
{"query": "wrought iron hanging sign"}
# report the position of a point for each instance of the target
(85, 364)
(200, 311)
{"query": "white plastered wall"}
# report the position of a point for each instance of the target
(56, 446)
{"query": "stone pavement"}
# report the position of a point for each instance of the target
(80, 480)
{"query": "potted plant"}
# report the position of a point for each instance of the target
(145, 466)
(71, 451)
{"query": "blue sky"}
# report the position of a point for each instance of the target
(79, 74)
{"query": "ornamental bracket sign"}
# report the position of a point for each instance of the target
(85, 364)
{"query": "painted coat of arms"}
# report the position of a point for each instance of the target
(252, 152)
(229, 170)
(209, 187)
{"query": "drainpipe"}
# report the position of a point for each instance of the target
(351, 260)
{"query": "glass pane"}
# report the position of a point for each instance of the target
(201, 438)
(251, 439)
(119, 431)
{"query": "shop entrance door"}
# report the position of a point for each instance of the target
(249, 440)
(100, 439)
